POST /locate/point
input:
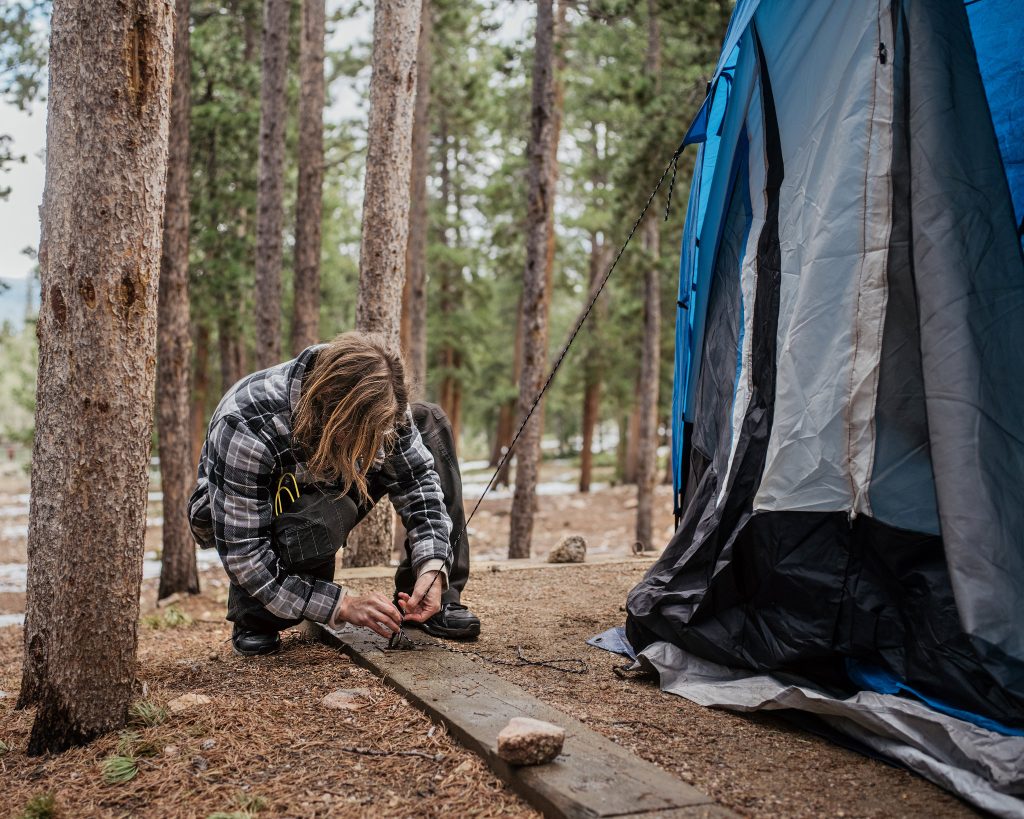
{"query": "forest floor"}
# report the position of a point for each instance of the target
(265, 745)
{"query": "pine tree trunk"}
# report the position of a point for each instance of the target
(507, 415)
(107, 122)
(628, 442)
(309, 199)
(385, 236)
(414, 297)
(542, 178)
(592, 366)
(647, 428)
(647, 433)
(200, 389)
(231, 353)
(273, 114)
(178, 571)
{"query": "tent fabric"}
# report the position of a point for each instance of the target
(848, 412)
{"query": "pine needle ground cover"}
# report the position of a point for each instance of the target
(263, 746)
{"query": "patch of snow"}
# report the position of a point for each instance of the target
(11, 619)
(13, 532)
(472, 491)
(13, 577)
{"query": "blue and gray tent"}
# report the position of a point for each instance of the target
(848, 436)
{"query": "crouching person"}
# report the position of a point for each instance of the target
(295, 456)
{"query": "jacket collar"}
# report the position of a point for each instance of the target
(302, 364)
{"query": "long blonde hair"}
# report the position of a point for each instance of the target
(351, 404)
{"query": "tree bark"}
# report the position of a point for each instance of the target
(385, 236)
(200, 390)
(592, 366)
(178, 571)
(540, 239)
(414, 297)
(270, 204)
(647, 433)
(106, 171)
(231, 353)
(309, 199)
(507, 413)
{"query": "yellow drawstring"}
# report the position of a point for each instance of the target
(278, 506)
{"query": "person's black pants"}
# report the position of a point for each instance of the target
(246, 611)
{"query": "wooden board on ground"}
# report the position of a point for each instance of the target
(593, 777)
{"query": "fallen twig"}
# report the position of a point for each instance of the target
(352, 749)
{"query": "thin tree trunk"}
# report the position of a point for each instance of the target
(273, 113)
(507, 430)
(414, 297)
(592, 366)
(107, 122)
(231, 353)
(631, 425)
(309, 199)
(543, 175)
(396, 26)
(200, 389)
(178, 571)
(647, 433)
(449, 397)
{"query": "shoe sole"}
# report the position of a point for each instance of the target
(261, 653)
(468, 633)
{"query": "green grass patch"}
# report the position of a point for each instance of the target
(171, 617)
(119, 768)
(42, 806)
(146, 713)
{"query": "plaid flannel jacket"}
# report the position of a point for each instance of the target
(249, 446)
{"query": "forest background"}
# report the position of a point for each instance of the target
(631, 75)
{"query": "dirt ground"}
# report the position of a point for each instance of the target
(265, 739)
(266, 746)
(758, 765)
(263, 746)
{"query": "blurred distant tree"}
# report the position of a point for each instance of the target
(178, 573)
(309, 198)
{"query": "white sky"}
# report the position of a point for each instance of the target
(19, 214)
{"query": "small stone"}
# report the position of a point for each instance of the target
(208, 744)
(200, 763)
(4, 695)
(213, 656)
(347, 699)
(571, 549)
(187, 701)
(170, 750)
(631, 503)
(169, 600)
(526, 741)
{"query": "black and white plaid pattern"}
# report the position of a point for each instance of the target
(249, 446)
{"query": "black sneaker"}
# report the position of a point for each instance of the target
(249, 643)
(453, 622)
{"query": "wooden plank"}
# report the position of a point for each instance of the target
(593, 777)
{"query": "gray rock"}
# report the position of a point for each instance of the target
(570, 549)
(347, 699)
(526, 741)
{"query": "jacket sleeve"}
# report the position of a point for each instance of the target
(240, 470)
(415, 490)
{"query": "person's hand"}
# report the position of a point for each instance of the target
(425, 600)
(372, 610)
